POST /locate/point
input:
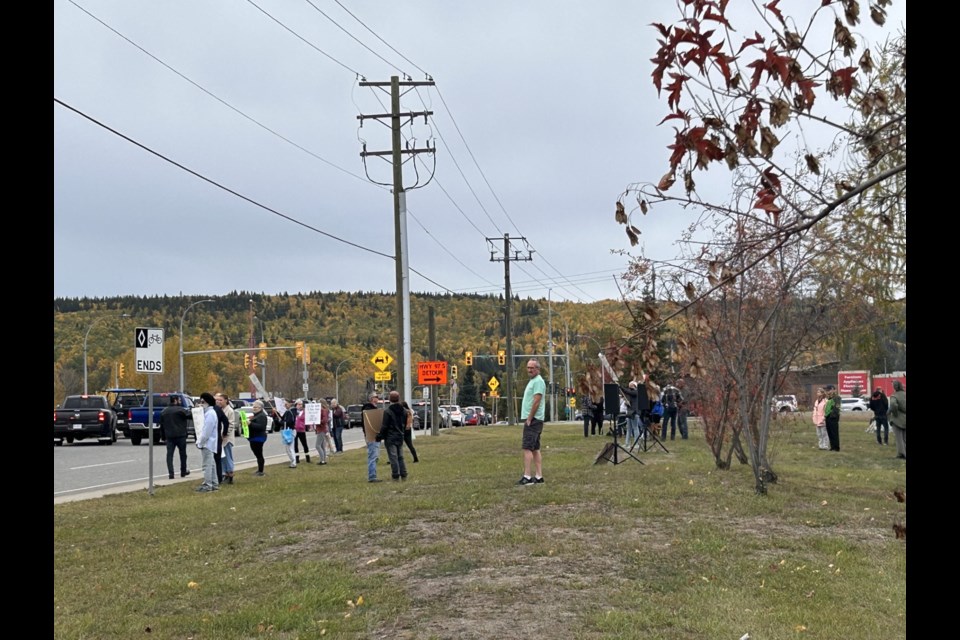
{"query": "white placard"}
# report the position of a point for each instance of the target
(281, 405)
(312, 415)
(197, 413)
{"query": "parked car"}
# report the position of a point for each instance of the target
(785, 404)
(354, 415)
(852, 404)
(456, 416)
(482, 416)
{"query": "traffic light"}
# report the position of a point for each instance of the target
(453, 371)
(263, 351)
(246, 361)
(120, 371)
(306, 354)
(299, 350)
(501, 357)
(469, 358)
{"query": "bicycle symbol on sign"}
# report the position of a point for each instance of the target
(154, 339)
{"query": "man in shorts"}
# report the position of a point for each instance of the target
(532, 410)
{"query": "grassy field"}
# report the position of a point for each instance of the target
(671, 549)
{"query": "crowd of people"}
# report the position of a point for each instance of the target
(644, 405)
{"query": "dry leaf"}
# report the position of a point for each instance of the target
(621, 214)
(193, 585)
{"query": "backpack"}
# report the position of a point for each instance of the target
(657, 409)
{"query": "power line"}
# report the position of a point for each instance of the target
(238, 194)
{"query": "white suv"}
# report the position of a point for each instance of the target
(852, 404)
(784, 404)
(456, 416)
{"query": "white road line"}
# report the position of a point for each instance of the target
(104, 464)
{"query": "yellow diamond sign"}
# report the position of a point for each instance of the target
(381, 359)
(493, 383)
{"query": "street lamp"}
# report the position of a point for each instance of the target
(184, 315)
(87, 335)
(336, 378)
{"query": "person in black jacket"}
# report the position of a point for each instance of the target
(174, 424)
(878, 404)
(257, 428)
(408, 431)
(391, 433)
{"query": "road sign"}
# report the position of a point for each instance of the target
(381, 360)
(381, 376)
(149, 349)
(573, 403)
(432, 372)
(494, 394)
(493, 383)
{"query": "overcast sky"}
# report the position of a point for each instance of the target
(543, 113)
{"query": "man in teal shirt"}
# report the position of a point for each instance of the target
(532, 412)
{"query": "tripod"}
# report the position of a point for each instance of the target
(647, 431)
(611, 451)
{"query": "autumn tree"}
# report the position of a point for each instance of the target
(736, 85)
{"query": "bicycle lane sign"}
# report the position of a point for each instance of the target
(148, 343)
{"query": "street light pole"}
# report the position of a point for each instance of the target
(184, 315)
(336, 379)
(87, 335)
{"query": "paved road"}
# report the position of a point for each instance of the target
(87, 469)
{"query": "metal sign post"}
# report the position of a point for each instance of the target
(148, 344)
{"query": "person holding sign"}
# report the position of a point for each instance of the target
(372, 419)
(300, 427)
(208, 442)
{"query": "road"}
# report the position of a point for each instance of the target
(87, 469)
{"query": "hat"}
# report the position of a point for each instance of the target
(633, 384)
(208, 398)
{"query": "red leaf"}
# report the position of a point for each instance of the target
(756, 39)
(772, 7)
(676, 115)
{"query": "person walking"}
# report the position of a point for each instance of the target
(257, 428)
(391, 434)
(532, 408)
(879, 404)
(819, 419)
(897, 412)
(323, 432)
(228, 435)
(336, 414)
(831, 412)
(207, 442)
(174, 426)
(370, 433)
(408, 431)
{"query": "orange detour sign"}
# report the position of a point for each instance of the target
(432, 372)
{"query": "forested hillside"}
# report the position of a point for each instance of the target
(342, 330)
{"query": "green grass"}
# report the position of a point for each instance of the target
(673, 548)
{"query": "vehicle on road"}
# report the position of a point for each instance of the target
(483, 418)
(853, 404)
(470, 417)
(354, 415)
(456, 416)
(785, 404)
(122, 400)
(81, 417)
(138, 418)
(421, 411)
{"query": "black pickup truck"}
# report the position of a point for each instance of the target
(84, 416)
(122, 400)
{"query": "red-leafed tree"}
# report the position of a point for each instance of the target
(786, 236)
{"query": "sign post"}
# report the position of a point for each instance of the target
(148, 344)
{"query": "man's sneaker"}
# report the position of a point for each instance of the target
(538, 480)
(374, 480)
(525, 481)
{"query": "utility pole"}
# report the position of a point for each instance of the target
(553, 393)
(508, 255)
(399, 217)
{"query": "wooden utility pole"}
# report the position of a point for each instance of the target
(396, 154)
(508, 255)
